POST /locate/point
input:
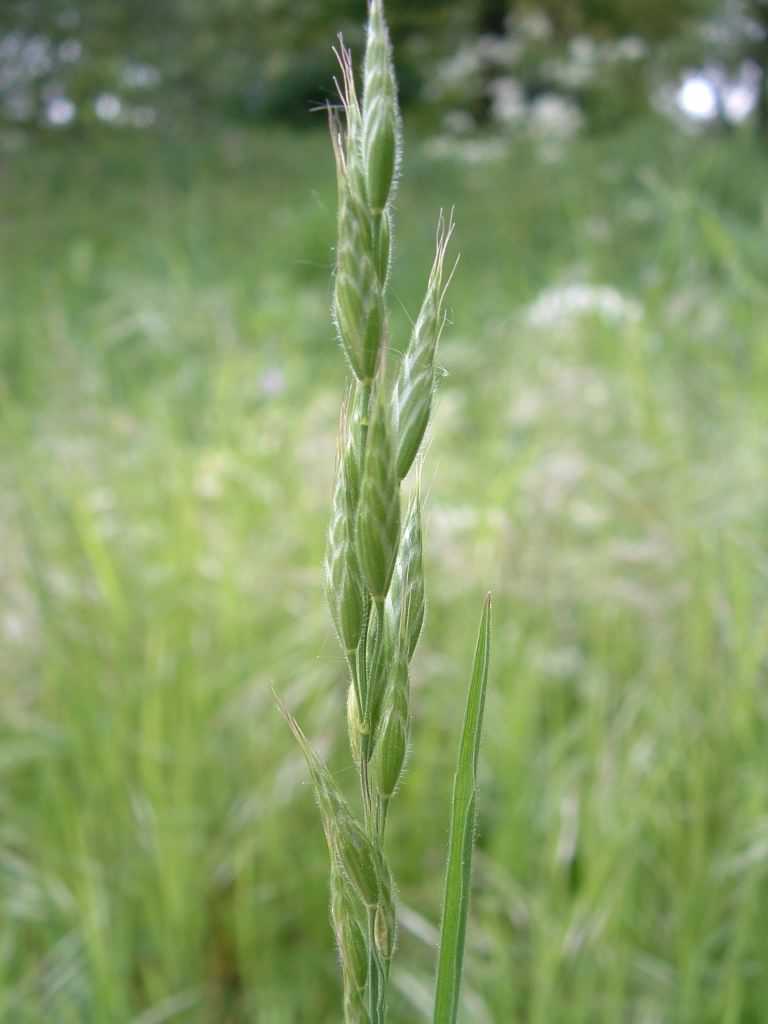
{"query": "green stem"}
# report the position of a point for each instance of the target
(371, 811)
(362, 672)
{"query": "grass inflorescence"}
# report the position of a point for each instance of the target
(373, 567)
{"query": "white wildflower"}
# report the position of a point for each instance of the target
(564, 303)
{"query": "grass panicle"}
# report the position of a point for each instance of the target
(373, 567)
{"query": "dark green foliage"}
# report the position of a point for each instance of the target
(272, 60)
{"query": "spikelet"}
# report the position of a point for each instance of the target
(392, 741)
(380, 657)
(343, 581)
(357, 858)
(354, 423)
(350, 848)
(378, 515)
(381, 128)
(358, 306)
(385, 921)
(412, 398)
(349, 937)
(405, 600)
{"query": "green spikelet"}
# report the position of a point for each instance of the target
(343, 581)
(348, 845)
(381, 128)
(357, 858)
(378, 514)
(405, 600)
(385, 920)
(349, 937)
(333, 806)
(380, 657)
(358, 309)
(392, 742)
(357, 306)
(354, 423)
(412, 398)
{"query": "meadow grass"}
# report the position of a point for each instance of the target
(168, 411)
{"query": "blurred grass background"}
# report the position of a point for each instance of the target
(169, 391)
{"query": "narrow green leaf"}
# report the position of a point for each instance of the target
(459, 867)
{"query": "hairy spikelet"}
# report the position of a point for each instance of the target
(378, 514)
(392, 740)
(343, 580)
(358, 306)
(385, 922)
(405, 601)
(352, 431)
(380, 654)
(350, 848)
(381, 130)
(357, 858)
(330, 801)
(350, 940)
(412, 399)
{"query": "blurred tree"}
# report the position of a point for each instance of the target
(108, 59)
(614, 57)
(264, 56)
(758, 52)
(653, 20)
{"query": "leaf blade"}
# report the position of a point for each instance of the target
(461, 835)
